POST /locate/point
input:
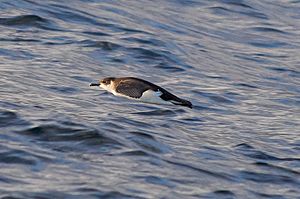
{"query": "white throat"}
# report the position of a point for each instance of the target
(109, 88)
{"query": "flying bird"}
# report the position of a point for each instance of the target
(141, 90)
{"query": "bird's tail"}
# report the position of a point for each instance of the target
(183, 102)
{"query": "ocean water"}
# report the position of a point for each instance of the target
(237, 61)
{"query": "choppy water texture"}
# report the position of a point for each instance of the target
(237, 61)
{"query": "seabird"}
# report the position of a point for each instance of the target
(138, 89)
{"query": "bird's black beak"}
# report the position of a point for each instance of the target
(94, 84)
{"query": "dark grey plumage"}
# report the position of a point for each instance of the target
(132, 87)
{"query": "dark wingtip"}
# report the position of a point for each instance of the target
(189, 104)
(185, 103)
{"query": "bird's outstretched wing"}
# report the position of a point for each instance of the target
(132, 88)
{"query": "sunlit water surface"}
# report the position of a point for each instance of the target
(237, 61)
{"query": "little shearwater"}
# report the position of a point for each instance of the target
(141, 90)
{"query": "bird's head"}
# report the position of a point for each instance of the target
(105, 83)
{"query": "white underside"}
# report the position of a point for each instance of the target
(148, 96)
(151, 96)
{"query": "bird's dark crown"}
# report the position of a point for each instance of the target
(107, 80)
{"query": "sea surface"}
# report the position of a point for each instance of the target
(237, 61)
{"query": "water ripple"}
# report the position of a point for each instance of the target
(237, 61)
(29, 21)
(24, 20)
(78, 134)
(9, 118)
(251, 152)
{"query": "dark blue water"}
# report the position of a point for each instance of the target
(237, 61)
